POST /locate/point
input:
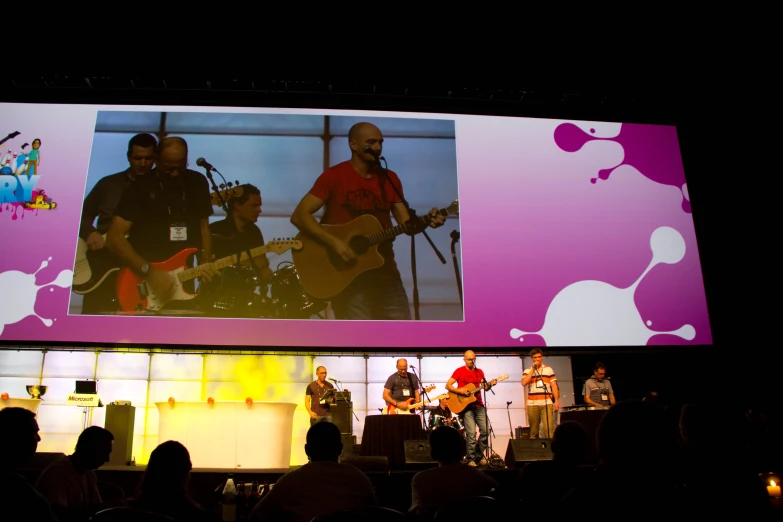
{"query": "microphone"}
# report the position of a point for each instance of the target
(508, 403)
(413, 367)
(201, 162)
(332, 379)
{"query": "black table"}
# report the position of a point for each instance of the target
(385, 436)
(589, 419)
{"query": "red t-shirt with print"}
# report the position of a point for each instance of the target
(463, 376)
(347, 195)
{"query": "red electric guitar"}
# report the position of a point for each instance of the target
(133, 293)
(391, 409)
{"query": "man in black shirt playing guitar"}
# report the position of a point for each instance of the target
(95, 270)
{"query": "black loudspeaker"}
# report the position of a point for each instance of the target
(350, 448)
(417, 455)
(342, 416)
(520, 451)
(368, 464)
(120, 421)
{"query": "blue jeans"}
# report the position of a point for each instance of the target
(476, 416)
(374, 295)
(320, 418)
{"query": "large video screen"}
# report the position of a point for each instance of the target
(348, 229)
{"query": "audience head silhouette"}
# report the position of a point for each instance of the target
(18, 437)
(634, 433)
(167, 471)
(94, 447)
(323, 442)
(569, 443)
(445, 445)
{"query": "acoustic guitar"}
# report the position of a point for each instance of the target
(134, 294)
(323, 275)
(458, 403)
(91, 267)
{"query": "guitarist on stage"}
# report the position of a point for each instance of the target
(164, 212)
(475, 414)
(349, 190)
(239, 233)
(100, 203)
(401, 387)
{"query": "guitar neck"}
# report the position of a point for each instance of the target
(192, 273)
(391, 233)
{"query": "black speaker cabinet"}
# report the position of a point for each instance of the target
(342, 416)
(417, 454)
(520, 451)
(368, 464)
(120, 421)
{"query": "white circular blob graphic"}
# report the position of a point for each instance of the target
(667, 245)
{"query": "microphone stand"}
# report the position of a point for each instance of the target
(411, 215)
(454, 239)
(508, 412)
(341, 391)
(490, 454)
(546, 412)
(422, 394)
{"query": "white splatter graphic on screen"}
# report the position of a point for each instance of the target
(595, 313)
(20, 292)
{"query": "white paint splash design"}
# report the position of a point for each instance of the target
(595, 313)
(20, 292)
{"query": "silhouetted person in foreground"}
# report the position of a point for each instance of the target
(639, 473)
(19, 439)
(164, 486)
(546, 482)
(452, 481)
(70, 484)
(714, 477)
(319, 487)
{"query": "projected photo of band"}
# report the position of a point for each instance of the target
(270, 216)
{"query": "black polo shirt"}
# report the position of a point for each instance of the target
(155, 203)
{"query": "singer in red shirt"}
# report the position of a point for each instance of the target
(475, 414)
(351, 189)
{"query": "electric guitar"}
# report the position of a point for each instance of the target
(324, 275)
(91, 267)
(134, 294)
(458, 403)
(392, 410)
(232, 192)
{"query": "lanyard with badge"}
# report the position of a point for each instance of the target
(178, 230)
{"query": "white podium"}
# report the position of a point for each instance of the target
(28, 404)
(230, 434)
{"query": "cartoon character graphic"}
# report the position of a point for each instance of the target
(41, 201)
(34, 159)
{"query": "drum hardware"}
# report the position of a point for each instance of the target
(295, 302)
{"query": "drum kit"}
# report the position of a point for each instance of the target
(241, 295)
(439, 417)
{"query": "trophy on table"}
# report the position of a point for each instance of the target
(36, 391)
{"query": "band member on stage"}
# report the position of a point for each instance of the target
(598, 389)
(351, 189)
(315, 402)
(542, 396)
(475, 414)
(164, 212)
(239, 233)
(401, 387)
(100, 203)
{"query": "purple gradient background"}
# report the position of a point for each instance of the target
(532, 223)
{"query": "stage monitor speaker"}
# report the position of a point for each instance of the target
(120, 421)
(520, 451)
(378, 464)
(342, 416)
(417, 455)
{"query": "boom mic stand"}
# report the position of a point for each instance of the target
(454, 239)
(422, 394)
(411, 215)
(508, 412)
(335, 381)
(493, 458)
